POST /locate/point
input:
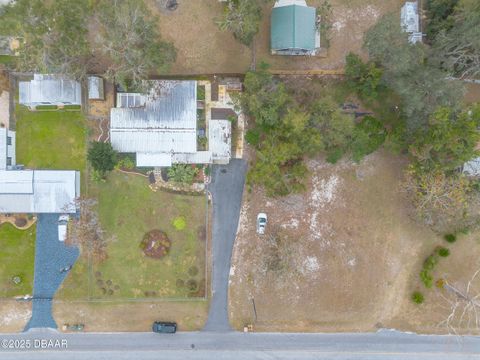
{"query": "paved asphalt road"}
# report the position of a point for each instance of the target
(235, 345)
(51, 256)
(226, 189)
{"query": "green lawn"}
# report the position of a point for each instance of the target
(51, 139)
(127, 210)
(17, 252)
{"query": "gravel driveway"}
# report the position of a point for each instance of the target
(51, 255)
(227, 190)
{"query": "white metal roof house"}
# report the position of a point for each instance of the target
(7, 149)
(49, 90)
(410, 21)
(39, 191)
(160, 127)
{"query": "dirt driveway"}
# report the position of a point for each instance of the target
(347, 254)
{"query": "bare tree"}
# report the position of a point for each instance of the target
(86, 231)
(462, 302)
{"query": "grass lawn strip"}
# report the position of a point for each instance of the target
(17, 253)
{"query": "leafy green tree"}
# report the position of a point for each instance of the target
(440, 16)
(264, 98)
(53, 35)
(102, 157)
(422, 87)
(369, 134)
(182, 173)
(457, 49)
(449, 141)
(365, 77)
(129, 37)
(335, 127)
(242, 18)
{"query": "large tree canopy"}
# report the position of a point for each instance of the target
(457, 48)
(53, 35)
(130, 39)
(421, 86)
(242, 18)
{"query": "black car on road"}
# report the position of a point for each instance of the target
(164, 327)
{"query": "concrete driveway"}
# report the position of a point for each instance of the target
(51, 255)
(227, 190)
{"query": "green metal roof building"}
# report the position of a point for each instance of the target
(293, 29)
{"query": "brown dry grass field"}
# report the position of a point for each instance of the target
(132, 316)
(203, 49)
(14, 315)
(352, 259)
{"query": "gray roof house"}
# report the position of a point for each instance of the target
(39, 191)
(49, 90)
(161, 127)
(293, 28)
(7, 149)
(410, 21)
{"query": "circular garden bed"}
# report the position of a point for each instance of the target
(155, 244)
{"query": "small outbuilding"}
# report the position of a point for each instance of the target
(293, 29)
(96, 88)
(410, 21)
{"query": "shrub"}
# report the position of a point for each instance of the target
(443, 252)
(200, 92)
(426, 278)
(430, 262)
(179, 223)
(252, 137)
(451, 238)
(417, 297)
(192, 271)
(182, 173)
(126, 163)
(334, 155)
(192, 285)
(102, 157)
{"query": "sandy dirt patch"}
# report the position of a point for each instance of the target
(133, 316)
(14, 315)
(352, 248)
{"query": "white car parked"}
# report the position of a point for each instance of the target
(261, 223)
(62, 227)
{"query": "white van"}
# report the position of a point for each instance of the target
(62, 227)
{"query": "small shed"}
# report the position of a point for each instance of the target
(293, 29)
(410, 21)
(96, 88)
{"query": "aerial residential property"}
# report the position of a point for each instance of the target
(161, 127)
(240, 179)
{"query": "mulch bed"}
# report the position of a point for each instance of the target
(155, 244)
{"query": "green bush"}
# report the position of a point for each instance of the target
(252, 137)
(126, 163)
(368, 136)
(200, 92)
(430, 262)
(102, 157)
(182, 173)
(365, 77)
(426, 278)
(46, 107)
(72, 107)
(179, 223)
(443, 252)
(334, 155)
(417, 297)
(451, 238)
